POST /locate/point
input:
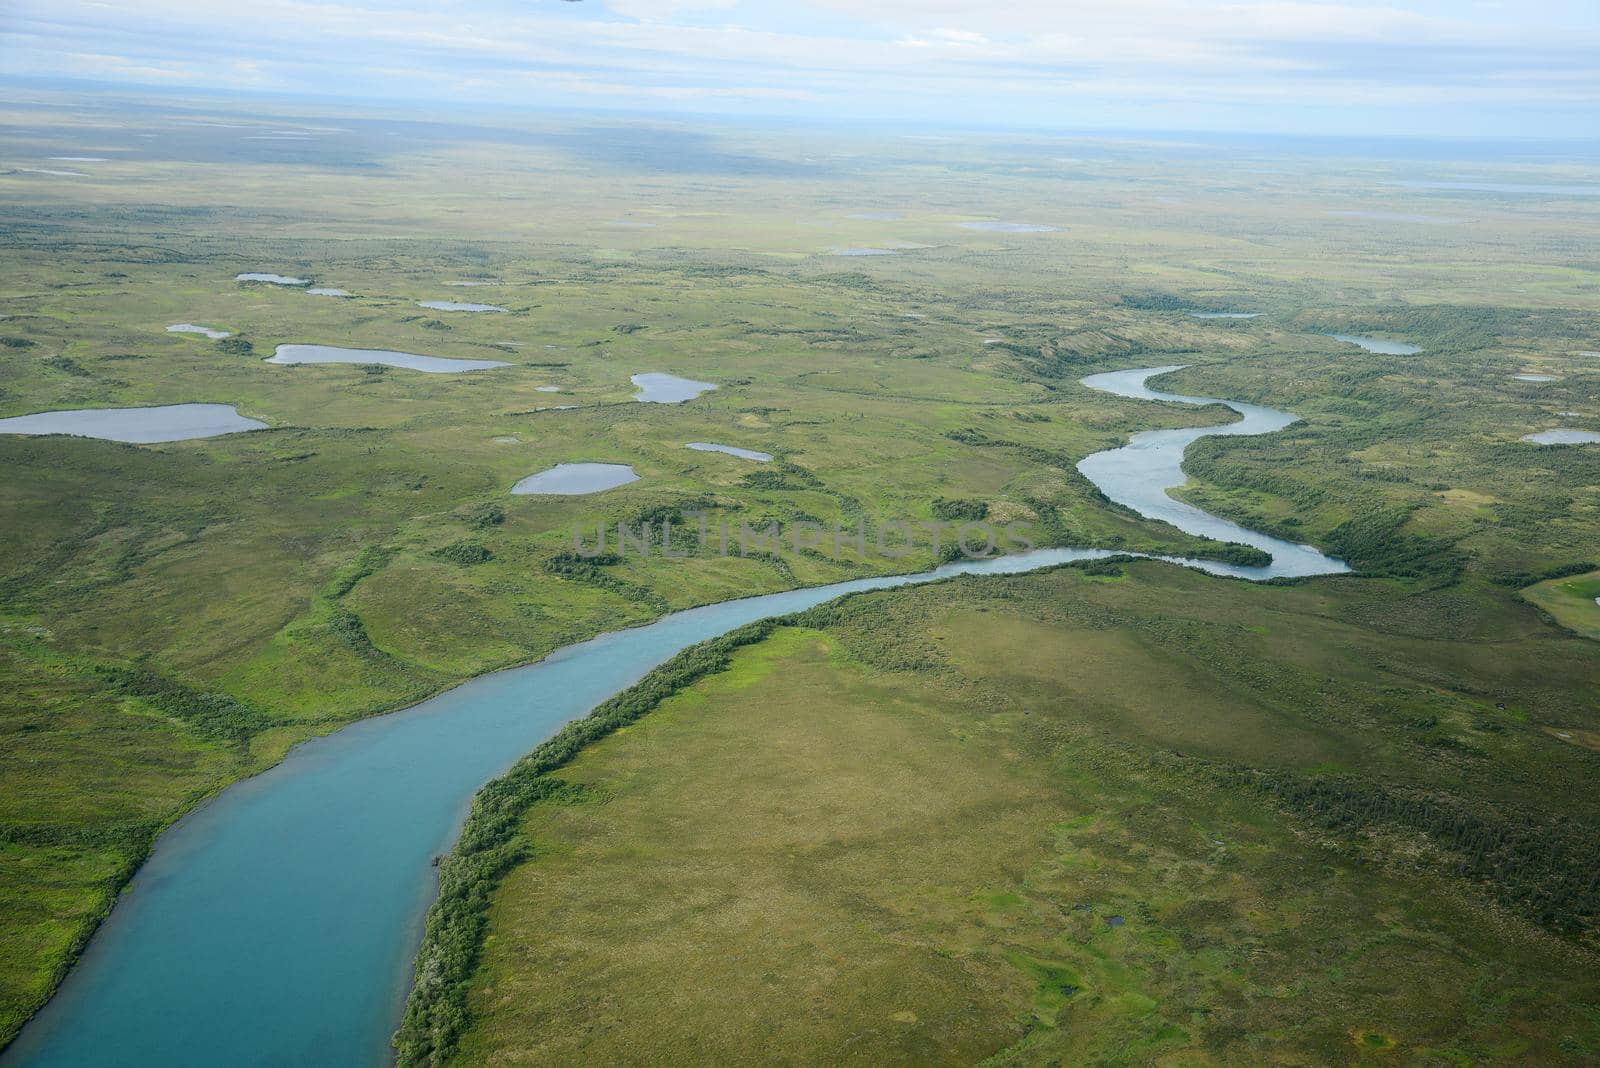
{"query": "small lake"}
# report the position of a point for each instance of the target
(1382, 346)
(433, 365)
(731, 450)
(80, 159)
(1563, 436)
(1225, 315)
(190, 328)
(274, 279)
(575, 480)
(1534, 378)
(458, 306)
(327, 291)
(137, 426)
(863, 252)
(658, 388)
(1008, 227)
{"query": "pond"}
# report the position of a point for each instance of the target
(327, 291)
(1563, 436)
(1534, 378)
(458, 306)
(731, 450)
(273, 279)
(138, 426)
(863, 252)
(658, 388)
(190, 328)
(575, 480)
(1382, 346)
(1009, 227)
(433, 365)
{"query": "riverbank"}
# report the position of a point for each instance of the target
(969, 821)
(216, 863)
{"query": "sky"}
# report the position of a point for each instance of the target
(1418, 67)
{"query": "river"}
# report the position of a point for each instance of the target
(276, 925)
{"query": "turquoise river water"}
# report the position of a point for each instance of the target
(276, 925)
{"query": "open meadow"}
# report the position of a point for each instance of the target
(1112, 814)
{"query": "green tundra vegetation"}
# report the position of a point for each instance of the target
(174, 617)
(1116, 814)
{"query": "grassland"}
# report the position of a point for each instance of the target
(1574, 602)
(1072, 818)
(174, 617)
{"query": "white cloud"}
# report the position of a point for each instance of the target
(663, 10)
(846, 56)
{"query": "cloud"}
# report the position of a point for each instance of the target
(1032, 60)
(663, 10)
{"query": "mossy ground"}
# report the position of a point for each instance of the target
(983, 821)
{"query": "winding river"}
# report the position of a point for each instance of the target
(276, 925)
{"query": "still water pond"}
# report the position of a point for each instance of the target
(1563, 436)
(190, 328)
(1382, 346)
(138, 426)
(459, 306)
(658, 388)
(731, 450)
(433, 365)
(575, 479)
